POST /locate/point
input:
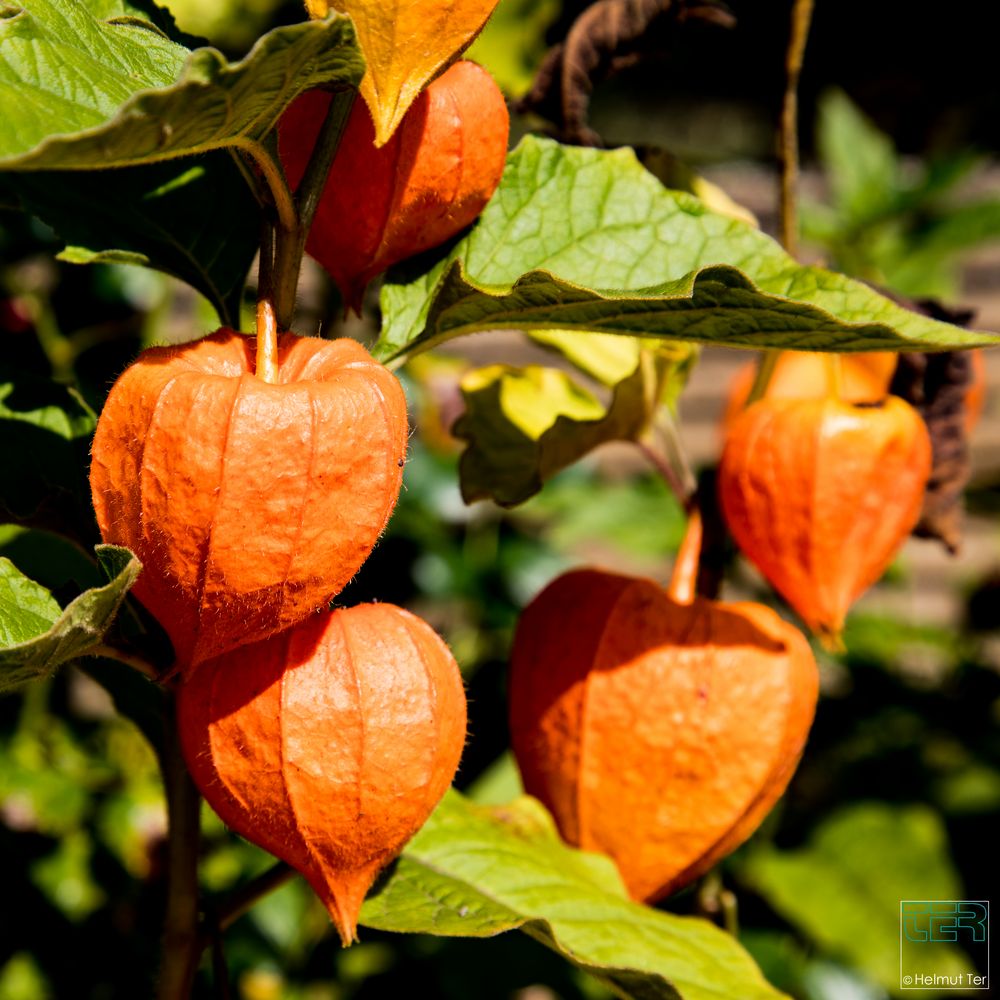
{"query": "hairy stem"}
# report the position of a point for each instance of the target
(182, 943)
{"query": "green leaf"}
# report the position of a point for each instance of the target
(860, 863)
(476, 871)
(587, 240)
(46, 637)
(46, 430)
(124, 94)
(523, 425)
(27, 609)
(66, 70)
(144, 10)
(195, 219)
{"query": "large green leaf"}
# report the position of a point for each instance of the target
(37, 636)
(195, 219)
(844, 889)
(46, 432)
(586, 239)
(124, 94)
(476, 871)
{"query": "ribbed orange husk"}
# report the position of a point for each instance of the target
(659, 733)
(249, 504)
(428, 182)
(804, 375)
(329, 744)
(820, 494)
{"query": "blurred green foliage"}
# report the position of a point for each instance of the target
(897, 222)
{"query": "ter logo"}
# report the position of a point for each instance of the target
(951, 920)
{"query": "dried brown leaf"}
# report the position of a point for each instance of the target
(937, 384)
(607, 37)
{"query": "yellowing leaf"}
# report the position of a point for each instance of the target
(405, 44)
(522, 425)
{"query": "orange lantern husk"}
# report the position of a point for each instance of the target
(820, 494)
(428, 182)
(328, 745)
(659, 728)
(249, 504)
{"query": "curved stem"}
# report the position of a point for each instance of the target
(129, 659)
(684, 581)
(281, 195)
(57, 347)
(663, 467)
(661, 445)
(182, 943)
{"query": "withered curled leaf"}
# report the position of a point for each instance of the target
(937, 386)
(607, 37)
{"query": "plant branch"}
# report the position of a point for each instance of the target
(290, 243)
(182, 941)
(788, 142)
